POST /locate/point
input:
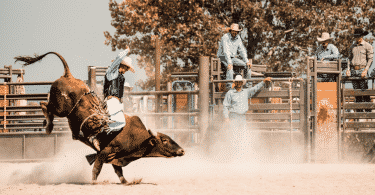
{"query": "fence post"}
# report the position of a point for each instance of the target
(170, 119)
(92, 78)
(204, 75)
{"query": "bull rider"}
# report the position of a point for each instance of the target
(113, 91)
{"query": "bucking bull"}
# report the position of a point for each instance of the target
(70, 97)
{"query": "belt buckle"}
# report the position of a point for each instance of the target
(356, 67)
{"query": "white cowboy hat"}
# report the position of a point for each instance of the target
(325, 37)
(235, 27)
(239, 78)
(127, 85)
(127, 61)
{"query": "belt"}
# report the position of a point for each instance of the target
(357, 67)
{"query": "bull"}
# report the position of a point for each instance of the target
(71, 98)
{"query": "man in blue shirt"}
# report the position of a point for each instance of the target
(236, 104)
(327, 52)
(229, 46)
(236, 101)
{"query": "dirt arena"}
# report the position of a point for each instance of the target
(219, 172)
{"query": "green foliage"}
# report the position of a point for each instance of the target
(190, 28)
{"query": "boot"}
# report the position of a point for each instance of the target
(95, 142)
(101, 139)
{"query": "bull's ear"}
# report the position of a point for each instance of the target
(152, 133)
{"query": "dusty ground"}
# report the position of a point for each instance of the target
(193, 173)
(231, 166)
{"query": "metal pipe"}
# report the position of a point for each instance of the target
(161, 92)
(29, 83)
(256, 79)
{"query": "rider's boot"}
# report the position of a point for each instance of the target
(97, 140)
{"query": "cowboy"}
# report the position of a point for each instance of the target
(235, 106)
(113, 91)
(360, 59)
(326, 52)
(236, 102)
(229, 46)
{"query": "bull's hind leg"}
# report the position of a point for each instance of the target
(48, 123)
(118, 171)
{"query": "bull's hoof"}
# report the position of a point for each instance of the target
(123, 180)
(49, 128)
(94, 182)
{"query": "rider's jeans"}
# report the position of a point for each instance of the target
(117, 118)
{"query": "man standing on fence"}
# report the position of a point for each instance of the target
(113, 91)
(236, 104)
(229, 46)
(327, 52)
(360, 59)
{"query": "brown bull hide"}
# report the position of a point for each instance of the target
(69, 98)
(132, 143)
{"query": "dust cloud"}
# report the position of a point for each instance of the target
(224, 152)
(68, 166)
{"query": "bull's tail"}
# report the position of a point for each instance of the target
(91, 158)
(30, 60)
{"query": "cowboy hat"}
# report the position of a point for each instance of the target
(235, 27)
(127, 61)
(127, 85)
(239, 78)
(325, 37)
(359, 32)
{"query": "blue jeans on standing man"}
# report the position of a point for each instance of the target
(360, 84)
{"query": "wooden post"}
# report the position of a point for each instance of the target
(203, 95)
(170, 119)
(157, 80)
(338, 80)
(308, 110)
(92, 78)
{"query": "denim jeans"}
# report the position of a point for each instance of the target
(237, 64)
(360, 84)
(117, 118)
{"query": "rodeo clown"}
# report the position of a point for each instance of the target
(113, 91)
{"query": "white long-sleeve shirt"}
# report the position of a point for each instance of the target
(229, 46)
(238, 101)
(112, 71)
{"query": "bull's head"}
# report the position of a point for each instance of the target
(164, 146)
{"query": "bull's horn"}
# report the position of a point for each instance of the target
(152, 133)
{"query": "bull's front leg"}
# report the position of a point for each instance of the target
(98, 165)
(118, 171)
(48, 123)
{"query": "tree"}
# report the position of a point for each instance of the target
(190, 28)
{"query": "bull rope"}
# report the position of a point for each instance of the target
(78, 102)
(97, 109)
